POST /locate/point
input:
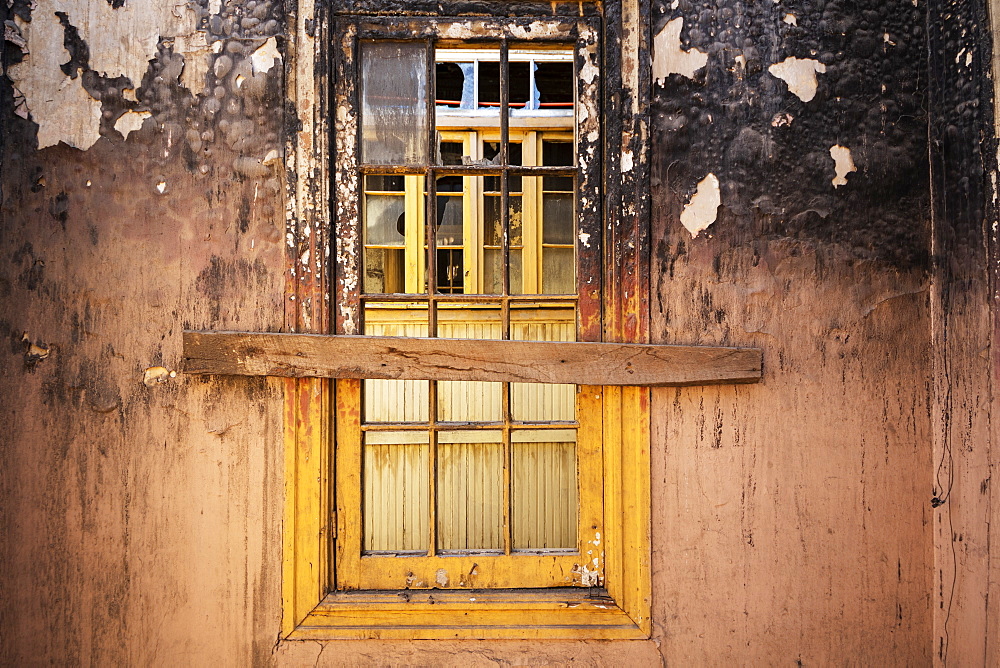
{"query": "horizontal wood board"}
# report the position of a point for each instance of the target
(403, 358)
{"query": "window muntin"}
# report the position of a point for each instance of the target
(462, 468)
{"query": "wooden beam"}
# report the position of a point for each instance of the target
(389, 357)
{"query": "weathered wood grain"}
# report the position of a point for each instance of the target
(400, 358)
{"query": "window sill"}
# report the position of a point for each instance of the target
(557, 613)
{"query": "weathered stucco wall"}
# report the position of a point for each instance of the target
(790, 175)
(141, 509)
(143, 193)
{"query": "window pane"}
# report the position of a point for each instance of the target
(455, 85)
(395, 400)
(540, 401)
(558, 271)
(543, 513)
(384, 220)
(461, 400)
(492, 272)
(452, 153)
(385, 270)
(557, 218)
(394, 103)
(470, 490)
(396, 492)
(555, 85)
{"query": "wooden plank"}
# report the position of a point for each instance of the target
(314, 355)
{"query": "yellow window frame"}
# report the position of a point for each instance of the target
(311, 609)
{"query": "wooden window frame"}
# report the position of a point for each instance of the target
(620, 609)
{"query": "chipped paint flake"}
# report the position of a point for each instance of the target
(441, 577)
(791, 20)
(584, 239)
(799, 74)
(702, 210)
(131, 121)
(263, 58)
(843, 164)
(668, 56)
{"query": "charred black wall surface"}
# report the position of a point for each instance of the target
(770, 149)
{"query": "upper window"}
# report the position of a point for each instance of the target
(469, 483)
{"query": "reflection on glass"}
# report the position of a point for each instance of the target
(393, 103)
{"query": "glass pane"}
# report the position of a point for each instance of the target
(554, 82)
(455, 85)
(395, 400)
(493, 226)
(384, 220)
(385, 270)
(452, 153)
(492, 276)
(396, 492)
(543, 475)
(461, 400)
(470, 490)
(557, 218)
(489, 85)
(558, 271)
(538, 401)
(394, 103)
(557, 153)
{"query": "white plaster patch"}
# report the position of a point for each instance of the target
(703, 208)
(121, 42)
(131, 121)
(843, 164)
(799, 74)
(263, 58)
(668, 56)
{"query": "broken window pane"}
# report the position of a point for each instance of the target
(394, 103)
(554, 82)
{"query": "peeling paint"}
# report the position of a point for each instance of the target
(264, 57)
(702, 210)
(131, 121)
(668, 56)
(120, 43)
(791, 20)
(441, 577)
(843, 164)
(799, 74)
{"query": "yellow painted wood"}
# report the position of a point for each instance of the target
(527, 614)
(613, 486)
(306, 536)
(531, 194)
(414, 233)
(636, 506)
(348, 482)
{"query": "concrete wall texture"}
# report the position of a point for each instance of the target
(821, 178)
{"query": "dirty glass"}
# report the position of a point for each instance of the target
(393, 103)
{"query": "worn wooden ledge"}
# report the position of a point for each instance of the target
(402, 358)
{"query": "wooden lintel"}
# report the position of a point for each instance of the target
(401, 358)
